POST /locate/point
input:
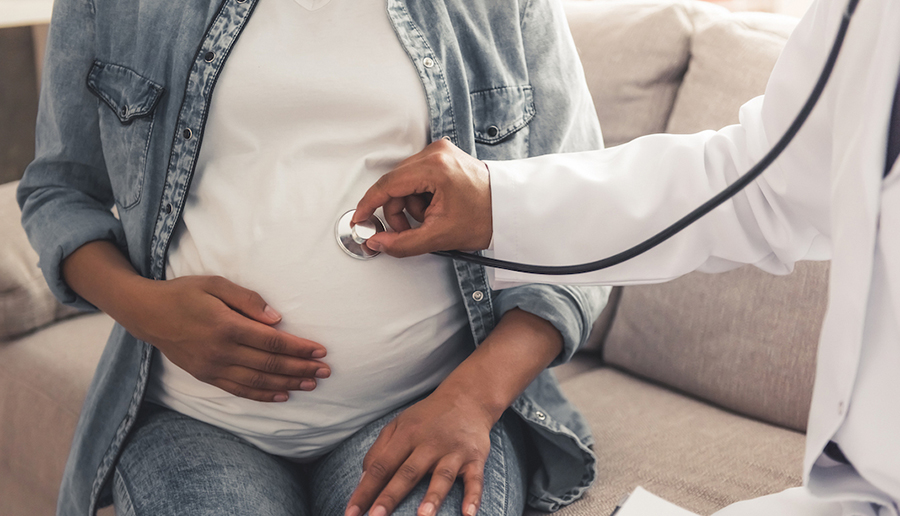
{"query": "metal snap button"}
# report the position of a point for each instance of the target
(209, 56)
(478, 295)
(493, 131)
(168, 208)
(428, 62)
(446, 138)
(124, 110)
(540, 415)
(188, 134)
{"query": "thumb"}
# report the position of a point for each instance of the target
(411, 242)
(243, 300)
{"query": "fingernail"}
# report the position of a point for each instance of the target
(375, 246)
(280, 398)
(471, 509)
(378, 511)
(323, 373)
(307, 385)
(352, 511)
(427, 509)
(319, 353)
(272, 313)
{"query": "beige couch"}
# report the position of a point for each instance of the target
(697, 390)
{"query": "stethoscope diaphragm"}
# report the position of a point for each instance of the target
(353, 239)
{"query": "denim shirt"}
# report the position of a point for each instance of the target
(125, 96)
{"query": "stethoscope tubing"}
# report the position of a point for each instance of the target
(700, 211)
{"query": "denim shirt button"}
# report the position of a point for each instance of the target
(493, 131)
(168, 208)
(428, 62)
(187, 134)
(478, 295)
(209, 56)
(540, 415)
(124, 110)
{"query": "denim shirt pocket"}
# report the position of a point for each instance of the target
(500, 117)
(126, 123)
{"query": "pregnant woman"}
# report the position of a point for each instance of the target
(256, 368)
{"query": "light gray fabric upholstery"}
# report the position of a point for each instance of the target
(686, 451)
(25, 300)
(727, 55)
(745, 340)
(43, 380)
(637, 52)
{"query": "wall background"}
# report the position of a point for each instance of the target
(18, 101)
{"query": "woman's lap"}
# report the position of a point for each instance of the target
(173, 464)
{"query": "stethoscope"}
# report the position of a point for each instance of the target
(352, 239)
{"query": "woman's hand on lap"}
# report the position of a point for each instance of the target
(447, 435)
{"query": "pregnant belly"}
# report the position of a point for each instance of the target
(375, 369)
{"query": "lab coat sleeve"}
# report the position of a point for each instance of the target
(565, 121)
(65, 194)
(577, 208)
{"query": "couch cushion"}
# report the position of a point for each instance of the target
(634, 54)
(25, 300)
(44, 377)
(686, 451)
(744, 339)
(731, 59)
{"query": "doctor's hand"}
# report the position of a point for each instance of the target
(442, 187)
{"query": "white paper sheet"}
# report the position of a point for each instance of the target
(644, 503)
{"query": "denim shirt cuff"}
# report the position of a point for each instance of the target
(88, 229)
(570, 310)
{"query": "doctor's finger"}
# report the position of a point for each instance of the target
(406, 243)
(397, 184)
(416, 205)
(393, 213)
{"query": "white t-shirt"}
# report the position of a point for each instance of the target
(316, 102)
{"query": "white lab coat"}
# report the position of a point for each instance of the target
(825, 198)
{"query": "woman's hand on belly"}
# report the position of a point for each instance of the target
(222, 334)
(448, 433)
(217, 331)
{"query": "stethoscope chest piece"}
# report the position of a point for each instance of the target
(353, 239)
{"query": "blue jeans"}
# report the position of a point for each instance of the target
(175, 465)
